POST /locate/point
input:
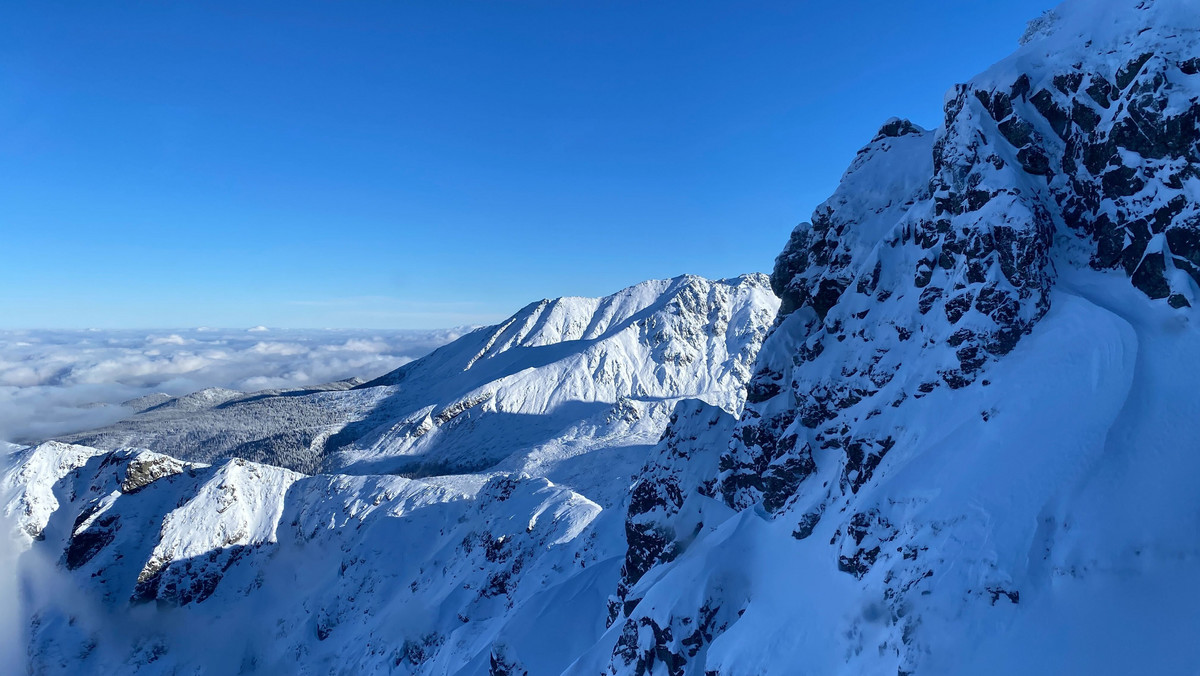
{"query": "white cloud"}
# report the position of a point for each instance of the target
(173, 339)
(56, 382)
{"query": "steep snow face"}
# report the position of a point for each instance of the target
(558, 379)
(28, 486)
(948, 442)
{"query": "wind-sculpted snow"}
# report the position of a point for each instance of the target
(981, 342)
(537, 392)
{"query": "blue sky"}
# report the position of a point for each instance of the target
(427, 164)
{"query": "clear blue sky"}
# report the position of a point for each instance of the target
(423, 164)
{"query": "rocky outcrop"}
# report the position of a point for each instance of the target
(146, 468)
(659, 525)
(934, 261)
(957, 262)
(1126, 172)
(944, 239)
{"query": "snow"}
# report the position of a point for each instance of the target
(554, 391)
(584, 489)
(1017, 516)
(359, 561)
(28, 483)
(1100, 35)
(372, 573)
(1060, 494)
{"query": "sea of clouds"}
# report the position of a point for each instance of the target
(55, 382)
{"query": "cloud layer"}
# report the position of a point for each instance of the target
(56, 382)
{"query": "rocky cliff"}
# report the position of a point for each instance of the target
(972, 331)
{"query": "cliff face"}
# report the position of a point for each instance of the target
(1087, 134)
(966, 331)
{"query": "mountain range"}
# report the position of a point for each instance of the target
(953, 432)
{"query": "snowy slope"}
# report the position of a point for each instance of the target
(616, 362)
(967, 444)
(146, 563)
(140, 561)
(558, 379)
(954, 458)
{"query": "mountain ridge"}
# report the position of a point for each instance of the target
(913, 308)
(963, 445)
(636, 350)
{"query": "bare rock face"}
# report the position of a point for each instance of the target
(146, 468)
(680, 470)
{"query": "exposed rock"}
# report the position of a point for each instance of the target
(147, 468)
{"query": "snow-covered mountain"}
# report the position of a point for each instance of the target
(970, 444)
(967, 446)
(525, 437)
(555, 381)
(143, 564)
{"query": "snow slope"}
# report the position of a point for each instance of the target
(967, 443)
(964, 439)
(161, 561)
(138, 561)
(535, 393)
